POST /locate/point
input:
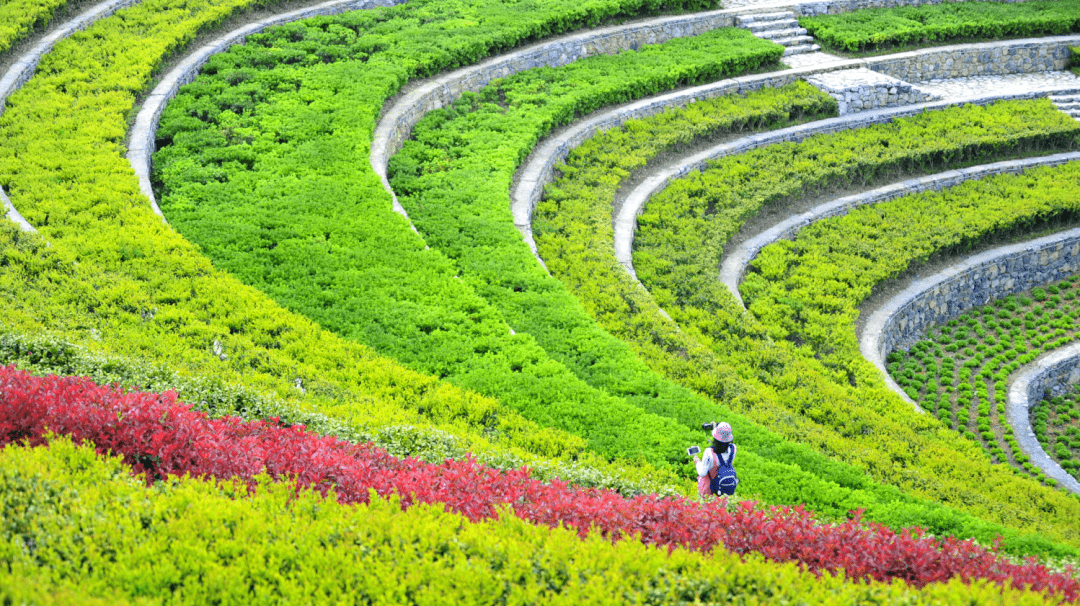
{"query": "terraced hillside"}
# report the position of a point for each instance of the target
(356, 248)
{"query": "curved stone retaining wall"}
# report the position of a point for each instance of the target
(142, 144)
(540, 169)
(734, 265)
(1057, 368)
(24, 67)
(398, 120)
(833, 7)
(626, 219)
(985, 59)
(976, 281)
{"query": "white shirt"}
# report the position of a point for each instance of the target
(706, 463)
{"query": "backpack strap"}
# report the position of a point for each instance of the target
(716, 465)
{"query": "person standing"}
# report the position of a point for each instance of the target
(716, 466)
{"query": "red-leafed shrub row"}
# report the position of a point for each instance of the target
(162, 438)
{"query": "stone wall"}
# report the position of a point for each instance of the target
(625, 222)
(834, 7)
(857, 90)
(734, 264)
(397, 124)
(981, 279)
(1053, 371)
(984, 59)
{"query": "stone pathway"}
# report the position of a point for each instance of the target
(1009, 84)
(815, 59)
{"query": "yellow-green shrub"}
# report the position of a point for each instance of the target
(98, 531)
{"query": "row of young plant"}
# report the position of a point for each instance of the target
(683, 231)
(163, 441)
(879, 29)
(114, 278)
(1054, 420)
(18, 18)
(359, 271)
(959, 371)
(190, 541)
(811, 286)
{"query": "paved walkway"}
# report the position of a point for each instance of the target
(1000, 85)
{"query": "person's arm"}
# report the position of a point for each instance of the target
(704, 464)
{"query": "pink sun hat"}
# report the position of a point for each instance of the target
(722, 432)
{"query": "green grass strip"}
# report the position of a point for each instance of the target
(115, 279)
(715, 344)
(878, 29)
(196, 542)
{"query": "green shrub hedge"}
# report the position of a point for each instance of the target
(198, 542)
(117, 279)
(351, 265)
(882, 28)
(574, 235)
(809, 289)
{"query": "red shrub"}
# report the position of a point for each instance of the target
(159, 438)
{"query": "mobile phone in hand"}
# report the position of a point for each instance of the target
(693, 450)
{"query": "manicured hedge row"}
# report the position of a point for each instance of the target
(43, 355)
(140, 290)
(960, 371)
(373, 279)
(276, 544)
(162, 440)
(809, 289)
(454, 177)
(574, 236)
(881, 28)
(19, 17)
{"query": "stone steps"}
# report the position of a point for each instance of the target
(782, 33)
(769, 26)
(1070, 104)
(781, 28)
(741, 20)
(795, 41)
(801, 49)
